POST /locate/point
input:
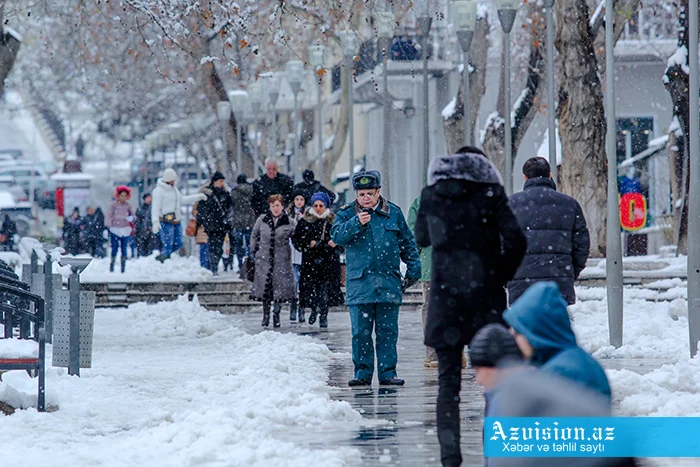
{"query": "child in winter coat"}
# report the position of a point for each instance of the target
(296, 211)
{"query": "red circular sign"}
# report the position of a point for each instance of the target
(633, 211)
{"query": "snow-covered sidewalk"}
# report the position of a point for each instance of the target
(174, 384)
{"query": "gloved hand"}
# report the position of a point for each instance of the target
(156, 228)
(202, 196)
(130, 218)
(406, 283)
(105, 234)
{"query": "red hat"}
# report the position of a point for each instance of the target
(121, 188)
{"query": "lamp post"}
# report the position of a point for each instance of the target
(295, 73)
(423, 24)
(239, 101)
(464, 18)
(223, 111)
(613, 256)
(273, 94)
(385, 32)
(316, 57)
(349, 45)
(694, 195)
(549, 6)
(255, 96)
(507, 10)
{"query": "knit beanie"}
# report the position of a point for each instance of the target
(217, 176)
(493, 345)
(321, 196)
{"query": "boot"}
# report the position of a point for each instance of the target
(123, 264)
(323, 320)
(266, 316)
(293, 311)
(301, 315)
(276, 319)
(312, 316)
(111, 264)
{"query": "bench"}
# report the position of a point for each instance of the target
(23, 342)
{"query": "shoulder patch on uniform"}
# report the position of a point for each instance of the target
(345, 206)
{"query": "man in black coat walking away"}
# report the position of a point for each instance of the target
(558, 242)
(310, 186)
(216, 215)
(271, 183)
(243, 218)
(144, 227)
(477, 247)
(8, 232)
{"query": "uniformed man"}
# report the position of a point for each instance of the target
(376, 239)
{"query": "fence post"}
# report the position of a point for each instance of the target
(48, 298)
(74, 334)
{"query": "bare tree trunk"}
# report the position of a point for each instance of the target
(333, 154)
(583, 174)
(676, 81)
(478, 56)
(9, 47)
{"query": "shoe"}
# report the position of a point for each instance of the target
(430, 363)
(392, 382)
(464, 361)
(276, 320)
(111, 264)
(323, 321)
(301, 316)
(161, 258)
(359, 382)
(312, 317)
(292, 315)
(266, 319)
(123, 265)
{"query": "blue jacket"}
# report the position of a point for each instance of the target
(374, 253)
(541, 316)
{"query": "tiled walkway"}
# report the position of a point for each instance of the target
(407, 436)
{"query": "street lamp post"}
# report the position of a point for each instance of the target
(316, 57)
(385, 32)
(549, 6)
(239, 100)
(423, 24)
(613, 255)
(694, 195)
(223, 111)
(255, 96)
(464, 18)
(295, 73)
(349, 45)
(507, 10)
(273, 93)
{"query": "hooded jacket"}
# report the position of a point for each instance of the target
(214, 211)
(541, 316)
(477, 246)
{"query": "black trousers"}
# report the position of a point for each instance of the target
(450, 384)
(216, 249)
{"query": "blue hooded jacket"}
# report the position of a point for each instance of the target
(540, 315)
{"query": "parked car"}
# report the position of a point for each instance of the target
(8, 183)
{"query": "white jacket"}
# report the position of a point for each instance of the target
(168, 199)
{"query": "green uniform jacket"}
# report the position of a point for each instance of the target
(425, 253)
(374, 253)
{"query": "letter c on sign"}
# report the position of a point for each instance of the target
(633, 211)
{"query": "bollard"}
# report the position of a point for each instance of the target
(48, 299)
(74, 334)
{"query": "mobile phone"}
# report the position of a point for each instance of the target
(367, 210)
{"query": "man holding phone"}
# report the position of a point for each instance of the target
(376, 239)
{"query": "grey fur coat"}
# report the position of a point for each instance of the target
(274, 276)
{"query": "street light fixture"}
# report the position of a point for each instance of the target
(551, 109)
(239, 101)
(316, 58)
(349, 45)
(273, 94)
(507, 10)
(386, 23)
(464, 18)
(694, 195)
(255, 99)
(295, 73)
(423, 24)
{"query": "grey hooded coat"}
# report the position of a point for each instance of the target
(269, 242)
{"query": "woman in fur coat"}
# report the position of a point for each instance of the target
(319, 284)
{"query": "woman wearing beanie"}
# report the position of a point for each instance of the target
(296, 211)
(216, 215)
(119, 221)
(319, 283)
(166, 214)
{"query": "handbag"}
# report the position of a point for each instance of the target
(191, 229)
(248, 269)
(228, 215)
(169, 218)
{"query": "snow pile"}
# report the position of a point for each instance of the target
(147, 269)
(174, 384)
(652, 330)
(449, 111)
(19, 348)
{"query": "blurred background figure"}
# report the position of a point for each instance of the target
(243, 218)
(71, 232)
(119, 221)
(7, 234)
(144, 227)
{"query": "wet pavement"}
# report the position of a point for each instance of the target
(401, 426)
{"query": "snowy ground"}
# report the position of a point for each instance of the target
(652, 330)
(173, 384)
(176, 269)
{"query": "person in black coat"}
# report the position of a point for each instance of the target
(558, 242)
(93, 225)
(319, 281)
(143, 226)
(271, 183)
(8, 232)
(215, 214)
(72, 227)
(477, 247)
(311, 186)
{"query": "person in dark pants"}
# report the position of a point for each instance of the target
(477, 246)
(243, 218)
(558, 241)
(271, 183)
(215, 215)
(144, 227)
(93, 226)
(71, 232)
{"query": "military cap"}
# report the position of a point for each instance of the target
(367, 180)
